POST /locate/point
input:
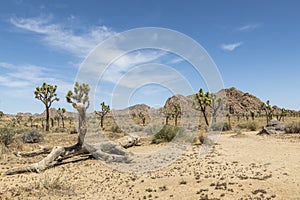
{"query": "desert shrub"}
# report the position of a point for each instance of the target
(221, 126)
(242, 126)
(252, 126)
(7, 136)
(116, 129)
(32, 136)
(166, 134)
(293, 127)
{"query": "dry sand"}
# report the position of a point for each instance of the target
(244, 166)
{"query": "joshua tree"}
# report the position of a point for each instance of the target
(176, 113)
(46, 94)
(268, 110)
(61, 113)
(203, 100)
(52, 121)
(216, 105)
(282, 114)
(252, 113)
(104, 110)
(30, 119)
(228, 118)
(143, 118)
(57, 118)
(80, 101)
(167, 114)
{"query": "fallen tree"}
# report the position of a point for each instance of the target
(107, 151)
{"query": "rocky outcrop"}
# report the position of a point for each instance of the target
(273, 127)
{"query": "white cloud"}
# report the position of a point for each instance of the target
(248, 27)
(231, 47)
(55, 35)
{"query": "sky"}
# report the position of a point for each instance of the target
(255, 46)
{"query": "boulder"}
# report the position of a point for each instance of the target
(273, 127)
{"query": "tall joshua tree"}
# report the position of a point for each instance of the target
(268, 110)
(80, 101)
(176, 113)
(203, 100)
(61, 113)
(143, 118)
(46, 94)
(104, 110)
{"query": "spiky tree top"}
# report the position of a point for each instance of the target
(61, 111)
(1, 114)
(80, 96)
(46, 94)
(104, 109)
(203, 100)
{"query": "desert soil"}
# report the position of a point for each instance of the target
(244, 166)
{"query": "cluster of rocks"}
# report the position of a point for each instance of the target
(273, 127)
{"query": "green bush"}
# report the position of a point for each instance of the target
(221, 126)
(166, 134)
(7, 136)
(293, 127)
(32, 136)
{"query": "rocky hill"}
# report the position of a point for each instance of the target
(237, 102)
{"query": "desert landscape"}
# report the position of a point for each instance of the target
(241, 165)
(136, 99)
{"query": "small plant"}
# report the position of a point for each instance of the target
(32, 136)
(293, 127)
(183, 182)
(116, 129)
(166, 134)
(7, 136)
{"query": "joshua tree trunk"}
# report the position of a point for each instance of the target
(101, 121)
(47, 119)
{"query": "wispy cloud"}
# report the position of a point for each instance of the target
(249, 27)
(231, 47)
(21, 80)
(56, 35)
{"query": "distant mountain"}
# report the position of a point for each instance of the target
(237, 102)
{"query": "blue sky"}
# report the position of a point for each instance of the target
(255, 45)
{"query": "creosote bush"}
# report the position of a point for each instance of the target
(7, 136)
(293, 127)
(166, 134)
(32, 136)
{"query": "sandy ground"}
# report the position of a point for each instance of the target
(244, 166)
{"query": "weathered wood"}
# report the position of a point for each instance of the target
(39, 166)
(33, 153)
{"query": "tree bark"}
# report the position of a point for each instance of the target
(47, 119)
